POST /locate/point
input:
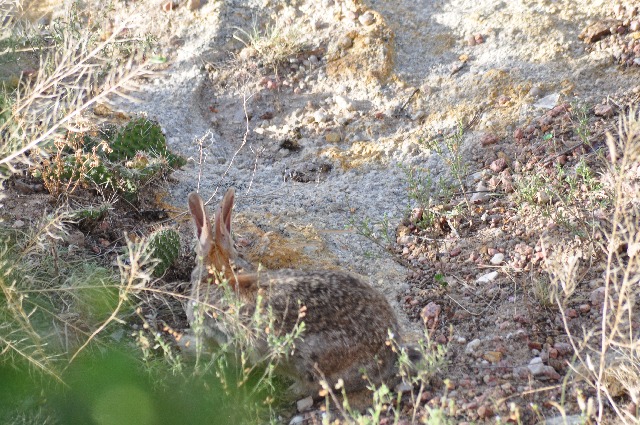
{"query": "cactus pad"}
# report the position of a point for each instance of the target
(165, 247)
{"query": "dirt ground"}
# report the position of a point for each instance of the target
(321, 140)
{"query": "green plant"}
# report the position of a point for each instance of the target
(126, 161)
(449, 147)
(272, 46)
(165, 248)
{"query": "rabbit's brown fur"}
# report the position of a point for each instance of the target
(346, 320)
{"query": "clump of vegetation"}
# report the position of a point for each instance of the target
(123, 162)
(607, 356)
(165, 247)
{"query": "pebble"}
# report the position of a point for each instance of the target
(194, 4)
(296, 420)
(605, 111)
(332, 137)
(489, 139)
(481, 194)
(497, 259)
(563, 348)
(430, 312)
(584, 308)
(18, 224)
(471, 41)
(597, 296)
(304, 404)
(498, 165)
(472, 347)
(486, 278)
(543, 197)
(492, 356)
(367, 19)
(343, 103)
(320, 116)
(345, 42)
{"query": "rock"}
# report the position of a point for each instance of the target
(548, 102)
(304, 404)
(605, 111)
(343, 103)
(472, 347)
(18, 224)
(169, 5)
(471, 41)
(584, 308)
(498, 165)
(489, 139)
(367, 19)
(345, 42)
(481, 193)
(565, 420)
(332, 137)
(497, 259)
(486, 278)
(296, 420)
(542, 197)
(597, 296)
(193, 4)
(430, 312)
(485, 412)
(563, 348)
(492, 356)
(320, 116)
(598, 30)
(536, 366)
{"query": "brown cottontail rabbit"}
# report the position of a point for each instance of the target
(347, 322)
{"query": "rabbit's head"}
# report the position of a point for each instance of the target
(215, 248)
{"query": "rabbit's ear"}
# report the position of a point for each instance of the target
(222, 222)
(201, 221)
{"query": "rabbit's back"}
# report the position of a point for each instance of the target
(347, 325)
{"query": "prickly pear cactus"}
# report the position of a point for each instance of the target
(142, 135)
(165, 246)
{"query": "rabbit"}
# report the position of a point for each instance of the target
(347, 322)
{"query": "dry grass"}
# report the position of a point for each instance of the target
(608, 355)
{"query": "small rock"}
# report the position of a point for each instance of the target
(489, 139)
(320, 116)
(296, 420)
(497, 259)
(472, 347)
(584, 308)
(597, 296)
(571, 313)
(18, 224)
(548, 102)
(484, 412)
(518, 134)
(498, 165)
(543, 197)
(367, 19)
(605, 111)
(479, 38)
(486, 278)
(455, 252)
(598, 30)
(345, 42)
(430, 312)
(481, 193)
(169, 5)
(563, 348)
(634, 26)
(304, 404)
(332, 137)
(194, 4)
(536, 366)
(343, 103)
(492, 356)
